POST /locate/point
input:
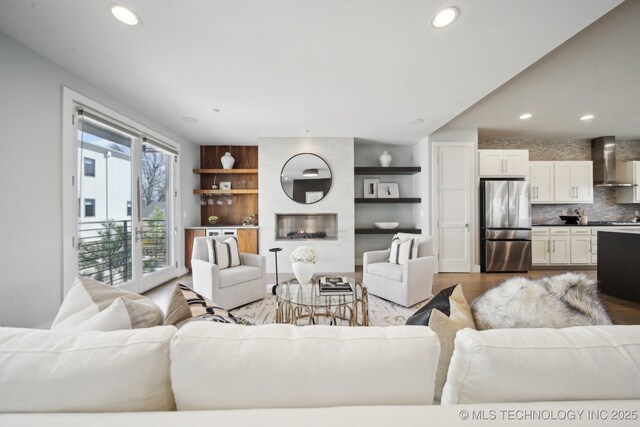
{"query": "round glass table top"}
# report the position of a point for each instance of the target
(309, 294)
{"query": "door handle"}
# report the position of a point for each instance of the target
(467, 226)
(554, 246)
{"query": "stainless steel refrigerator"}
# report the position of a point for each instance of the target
(505, 225)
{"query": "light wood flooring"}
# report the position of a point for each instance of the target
(621, 311)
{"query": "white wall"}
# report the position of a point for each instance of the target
(31, 174)
(333, 256)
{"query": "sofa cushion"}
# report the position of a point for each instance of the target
(93, 306)
(94, 371)
(224, 254)
(388, 270)
(178, 309)
(286, 366)
(446, 314)
(239, 274)
(529, 365)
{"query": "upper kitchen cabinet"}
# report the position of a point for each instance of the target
(503, 163)
(542, 185)
(628, 172)
(573, 182)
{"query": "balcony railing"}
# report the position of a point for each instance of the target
(105, 249)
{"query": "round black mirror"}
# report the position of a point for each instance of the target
(306, 178)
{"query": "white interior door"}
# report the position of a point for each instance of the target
(454, 199)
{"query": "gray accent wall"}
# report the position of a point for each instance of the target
(604, 205)
(31, 177)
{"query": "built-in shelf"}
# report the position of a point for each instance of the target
(396, 200)
(388, 230)
(221, 171)
(392, 170)
(243, 191)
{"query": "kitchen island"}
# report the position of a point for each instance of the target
(619, 264)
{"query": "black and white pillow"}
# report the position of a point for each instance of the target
(224, 254)
(403, 250)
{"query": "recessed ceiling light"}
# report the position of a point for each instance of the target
(215, 110)
(310, 172)
(124, 15)
(526, 116)
(188, 119)
(587, 117)
(445, 17)
(416, 122)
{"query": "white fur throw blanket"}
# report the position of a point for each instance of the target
(551, 302)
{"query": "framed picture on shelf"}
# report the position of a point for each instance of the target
(388, 190)
(225, 185)
(370, 188)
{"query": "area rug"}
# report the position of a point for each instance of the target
(381, 312)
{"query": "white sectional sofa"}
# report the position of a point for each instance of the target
(286, 375)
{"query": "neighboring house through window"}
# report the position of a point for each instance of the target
(89, 207)
(89, 166)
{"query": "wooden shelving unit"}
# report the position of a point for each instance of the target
(225, 171)
(398, 200)
(240, 191)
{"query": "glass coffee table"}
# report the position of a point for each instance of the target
(298, 304)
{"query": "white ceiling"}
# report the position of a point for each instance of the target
(596, 72)
(357, 68)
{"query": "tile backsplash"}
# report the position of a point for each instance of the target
(604, 205)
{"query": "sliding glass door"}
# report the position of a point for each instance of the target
(126, 197)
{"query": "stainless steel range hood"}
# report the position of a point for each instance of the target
(603, 154)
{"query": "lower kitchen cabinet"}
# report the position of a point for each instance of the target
(540, 246)
(560, 247)
(581, 248)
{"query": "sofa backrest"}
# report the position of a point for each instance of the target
(285, 366)
(529, 365)
(116, 371)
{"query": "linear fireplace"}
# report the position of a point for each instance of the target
(307, 226)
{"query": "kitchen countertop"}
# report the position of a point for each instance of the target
(203, 227)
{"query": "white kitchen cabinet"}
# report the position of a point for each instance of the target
(559, 245)
(573, 182)
(540, 246)
(580, 245)
(497, 163)
(542, 184)
(628, 172)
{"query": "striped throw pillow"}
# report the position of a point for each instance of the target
(402, 251)
(224, 254)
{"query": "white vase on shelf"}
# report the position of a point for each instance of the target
(385, 159)
(227, 161)
(303, 271)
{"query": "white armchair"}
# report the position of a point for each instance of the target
(228, 287)
(406, 284)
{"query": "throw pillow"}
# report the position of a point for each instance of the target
(402, 251)
(224, 254)
(560, 301)
(178, 309)
(202, 309)
(93, 306)
(446, 314)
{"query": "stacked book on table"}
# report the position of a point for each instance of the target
(334, 285)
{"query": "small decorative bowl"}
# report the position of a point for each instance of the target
(386, 225)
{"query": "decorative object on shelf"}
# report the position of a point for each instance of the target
(213, 220)
(303, 259)
(388, 190)
(371, 188)
(225, 185)
(214, 186)
(386, 225)
(385, 159)
(249, 220)
(227, 161)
